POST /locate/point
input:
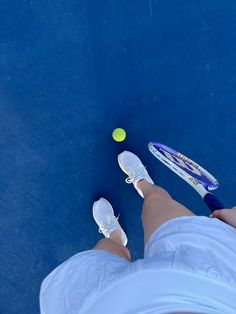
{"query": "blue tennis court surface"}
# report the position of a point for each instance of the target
(71, 72)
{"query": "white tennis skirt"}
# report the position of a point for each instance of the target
(198, 244)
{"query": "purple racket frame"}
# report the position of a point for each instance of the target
(200, 179)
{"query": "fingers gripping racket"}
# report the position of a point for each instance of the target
(201, 180)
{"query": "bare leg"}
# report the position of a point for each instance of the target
(114, 246)
(158, 207)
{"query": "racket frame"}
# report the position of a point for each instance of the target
(201, 187)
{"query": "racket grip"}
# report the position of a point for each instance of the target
(212, 202)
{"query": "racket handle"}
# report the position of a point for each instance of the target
(212, 202)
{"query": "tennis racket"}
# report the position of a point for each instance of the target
(201, 180)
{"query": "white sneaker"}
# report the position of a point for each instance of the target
(104, 216)
(133, 167)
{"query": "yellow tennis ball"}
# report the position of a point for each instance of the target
(119, 135)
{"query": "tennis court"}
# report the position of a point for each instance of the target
(72, 72)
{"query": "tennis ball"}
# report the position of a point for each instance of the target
(119, 135)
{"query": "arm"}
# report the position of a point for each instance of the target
(228, 215)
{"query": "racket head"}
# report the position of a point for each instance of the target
(183, 165)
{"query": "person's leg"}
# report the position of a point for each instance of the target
(114, 246)
(158, 207)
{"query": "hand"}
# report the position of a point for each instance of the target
(228, 215)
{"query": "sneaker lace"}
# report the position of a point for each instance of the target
(109, 222)
(132, 178)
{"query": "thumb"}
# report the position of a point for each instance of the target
(216, 213)
(227, 215)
